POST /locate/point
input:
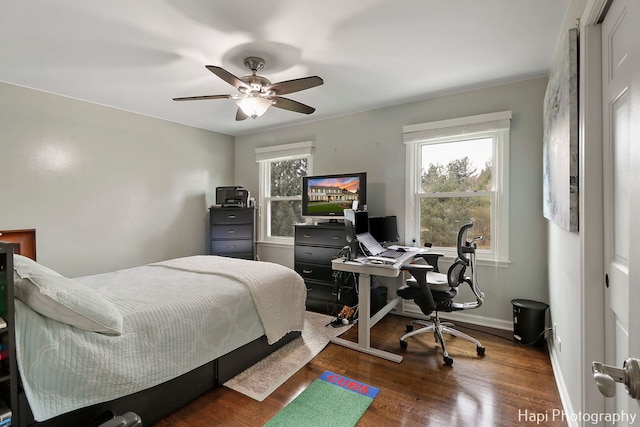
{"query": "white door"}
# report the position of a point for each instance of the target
(621, 91)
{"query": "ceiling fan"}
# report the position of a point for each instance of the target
(257, 94)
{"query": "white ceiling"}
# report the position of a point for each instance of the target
(138, 55)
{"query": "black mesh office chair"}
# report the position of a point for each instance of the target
(432, 293)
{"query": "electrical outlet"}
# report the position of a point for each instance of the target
(559, 344)
(554, 332)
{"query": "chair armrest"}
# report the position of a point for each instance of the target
(419, 272)
(417, 267)
(421, 294)
(431, 258)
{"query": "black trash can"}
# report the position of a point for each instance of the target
(528, 321)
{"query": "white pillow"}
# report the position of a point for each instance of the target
(63, 299)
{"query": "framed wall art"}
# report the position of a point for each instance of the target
(560, 148)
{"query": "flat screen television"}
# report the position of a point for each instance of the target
(330, 195)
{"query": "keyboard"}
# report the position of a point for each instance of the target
(391, 253)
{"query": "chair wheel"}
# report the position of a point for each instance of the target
(448, 361)
(409, 327)
(403, 344)
(480, 351)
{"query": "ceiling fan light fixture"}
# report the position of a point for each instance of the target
(254, 106)
(256, 93)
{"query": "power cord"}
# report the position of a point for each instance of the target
(505, 338)
(535, 340)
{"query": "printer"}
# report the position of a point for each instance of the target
(232, 196)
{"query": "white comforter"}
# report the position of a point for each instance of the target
(270, 285)
(174, 321)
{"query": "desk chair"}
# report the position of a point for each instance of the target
(434, 292)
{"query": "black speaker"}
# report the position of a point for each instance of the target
(355, 222)
(361, 221)
(350, 237)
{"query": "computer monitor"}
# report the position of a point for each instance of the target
(384, 228)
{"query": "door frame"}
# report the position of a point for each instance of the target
(591, 237)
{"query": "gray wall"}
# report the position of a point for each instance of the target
(372, 142)
(105, 189)
(576, 258)
(108, 189)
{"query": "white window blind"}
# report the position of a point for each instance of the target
(466, 126)
(285, 151)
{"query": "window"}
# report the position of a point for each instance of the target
(457, 173)
(281, 170)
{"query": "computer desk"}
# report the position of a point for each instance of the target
(365, 321)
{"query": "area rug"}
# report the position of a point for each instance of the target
(261, 379)
(331, 400)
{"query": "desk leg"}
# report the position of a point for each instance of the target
(364, 324)
(364, 311)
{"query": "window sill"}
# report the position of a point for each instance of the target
(493, 263)
(483, 262)
(274, 244)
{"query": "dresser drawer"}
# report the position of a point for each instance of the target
(318, 273)
(321, 298)
(232, 231)
(232, 216)
(321, 291)
(231, 246)
(320, 236)
(322, 306)
(240, 255)
(315, 254)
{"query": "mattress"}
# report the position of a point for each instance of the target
(173, 322)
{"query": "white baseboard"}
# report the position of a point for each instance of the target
(409, 309)
(562, 388)
(474, 319)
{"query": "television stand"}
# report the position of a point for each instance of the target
(332, 221)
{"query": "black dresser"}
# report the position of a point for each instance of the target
(315, 247)
(232, 232)
(8, 368)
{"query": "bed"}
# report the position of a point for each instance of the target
(146, 339)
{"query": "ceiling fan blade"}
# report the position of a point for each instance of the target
(227, 76)
(240, 115)
(295, 85)
(290, 104)
(197, 98)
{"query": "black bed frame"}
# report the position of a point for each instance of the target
(157, 402)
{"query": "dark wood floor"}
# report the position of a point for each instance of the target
(508, 386)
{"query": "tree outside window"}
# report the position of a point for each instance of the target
(284, 201)
(456, 188)
(458, 172)
(282, 168)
